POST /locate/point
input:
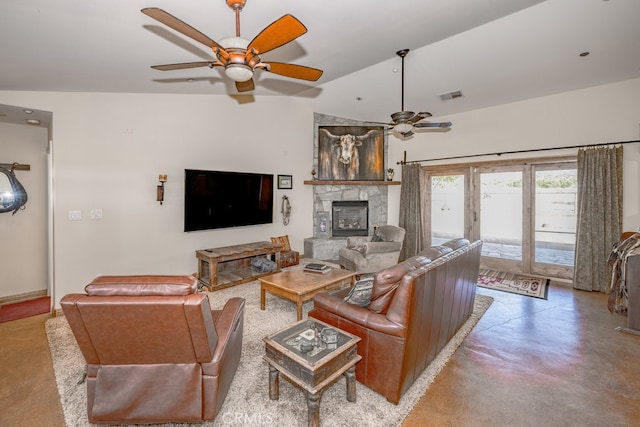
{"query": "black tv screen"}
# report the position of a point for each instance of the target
(216, 199)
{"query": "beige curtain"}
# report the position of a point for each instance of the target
(411, 211)
(599, 212)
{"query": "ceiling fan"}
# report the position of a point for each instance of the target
(238, 56)
(405, 122)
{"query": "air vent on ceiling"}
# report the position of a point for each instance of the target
(451, 95)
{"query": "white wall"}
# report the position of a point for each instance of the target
(602, 114)
(110, 148)
(23, 248)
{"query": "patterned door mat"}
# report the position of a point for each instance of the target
(521, 284)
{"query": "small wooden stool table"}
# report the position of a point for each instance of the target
(313, 355)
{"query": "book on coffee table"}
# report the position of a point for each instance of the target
(316, 268)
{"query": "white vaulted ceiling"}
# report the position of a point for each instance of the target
(494, 51)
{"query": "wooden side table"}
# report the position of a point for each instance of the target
(313, 355)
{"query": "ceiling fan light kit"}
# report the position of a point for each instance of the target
(403, 127)
(241, 57)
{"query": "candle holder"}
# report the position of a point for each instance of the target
(390, 173)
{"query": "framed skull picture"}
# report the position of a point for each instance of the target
(351, 153)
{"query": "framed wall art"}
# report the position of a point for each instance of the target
(285, 182)
(351, 153)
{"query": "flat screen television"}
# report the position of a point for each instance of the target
(217, 199)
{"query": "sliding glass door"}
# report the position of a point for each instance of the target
(555, 219)
(500, 216)
(448, 206)
(524, 212)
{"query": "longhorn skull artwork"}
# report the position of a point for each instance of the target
(350, 153)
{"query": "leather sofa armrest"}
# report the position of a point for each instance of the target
(69, 304)
(333, 303)
(228, 322)
(382, 247)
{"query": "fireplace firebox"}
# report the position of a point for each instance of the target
(350, 218)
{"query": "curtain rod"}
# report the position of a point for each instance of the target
(405, 161)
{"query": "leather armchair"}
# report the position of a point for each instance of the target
(155, 351)
(365, 254)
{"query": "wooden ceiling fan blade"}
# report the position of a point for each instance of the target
(178, 25)
(183, 65)
(278, 33)
(294, 71)
(245, 86)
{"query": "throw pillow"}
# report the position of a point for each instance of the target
(377, 237)
(360, 293)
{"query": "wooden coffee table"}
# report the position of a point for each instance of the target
(299, 286)
(313, 355)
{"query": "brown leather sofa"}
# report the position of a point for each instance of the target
(155, 351)
(416, 307)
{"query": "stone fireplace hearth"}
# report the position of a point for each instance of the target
(326, 248)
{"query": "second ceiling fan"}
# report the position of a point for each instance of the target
(405, 122)
(238, 56)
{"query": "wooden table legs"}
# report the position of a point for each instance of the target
(350, 375)
(313, 399)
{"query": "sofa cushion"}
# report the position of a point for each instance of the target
(456, 243)
(142, 285)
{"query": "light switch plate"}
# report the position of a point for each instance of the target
(75, 215)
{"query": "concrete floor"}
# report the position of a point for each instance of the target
(528, 362)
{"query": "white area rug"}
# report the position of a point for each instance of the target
(248, 403)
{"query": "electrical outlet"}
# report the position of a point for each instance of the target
(75, 215)
(96, 213)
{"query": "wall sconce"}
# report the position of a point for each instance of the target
(162, 179)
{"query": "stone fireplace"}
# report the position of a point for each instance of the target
(325, 245)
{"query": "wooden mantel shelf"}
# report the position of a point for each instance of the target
(321, 182)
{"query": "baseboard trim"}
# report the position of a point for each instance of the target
(23, 297)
